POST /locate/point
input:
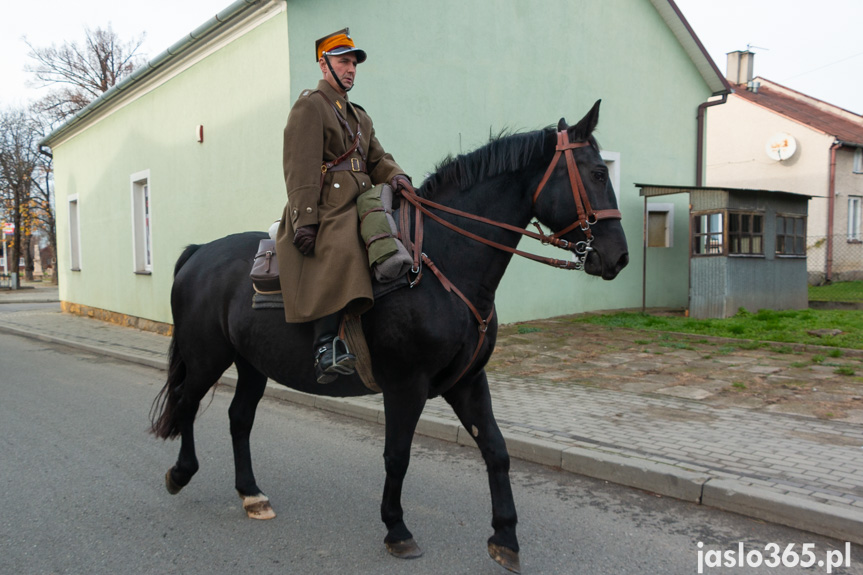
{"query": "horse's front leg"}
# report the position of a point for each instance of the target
(471, 402)
(402, 409)
(250, 388)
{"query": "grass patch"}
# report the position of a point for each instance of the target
(676, 345)
(523, 329)
(844, 370)
(790, 326)
(838, 291)
(738, 385)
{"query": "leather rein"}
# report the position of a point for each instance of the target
(587, 216)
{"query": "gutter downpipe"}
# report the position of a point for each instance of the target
(699, 148)
(831, 206)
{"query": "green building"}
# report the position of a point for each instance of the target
(188, 149)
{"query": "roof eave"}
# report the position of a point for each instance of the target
(684, 33)
(154, 66)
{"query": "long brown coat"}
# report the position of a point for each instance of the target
(337, 275)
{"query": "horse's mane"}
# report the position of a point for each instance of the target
(505, 152)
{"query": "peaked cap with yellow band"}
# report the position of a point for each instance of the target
(338, 43)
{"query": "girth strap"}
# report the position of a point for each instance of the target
(483, 323)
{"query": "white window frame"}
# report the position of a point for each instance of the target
(858, 161)
(74, 220)
(612, 161)
(668, 209)
(855, 215)
(142, 223)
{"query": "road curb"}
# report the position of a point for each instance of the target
(623, 469)
(732, 495)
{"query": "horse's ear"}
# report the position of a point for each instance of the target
(587, 125)
(561, 125)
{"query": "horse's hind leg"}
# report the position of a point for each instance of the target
(250, 388)
(472, 404)
(196, 383)
(402, 409)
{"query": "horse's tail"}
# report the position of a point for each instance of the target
(164, 409)
(184, 257)
(163, 412)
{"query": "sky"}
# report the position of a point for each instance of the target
(814, 47)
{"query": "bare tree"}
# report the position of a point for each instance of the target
(80, 74)
(19, 158)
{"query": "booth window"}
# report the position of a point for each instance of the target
(790, 235)
(708, 234)
(746, 234)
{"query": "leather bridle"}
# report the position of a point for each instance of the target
(587, 217)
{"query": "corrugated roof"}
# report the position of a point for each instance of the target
(826, 118)
(654, 190)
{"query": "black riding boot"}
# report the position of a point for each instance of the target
(332, 357)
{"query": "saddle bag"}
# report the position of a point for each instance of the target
(265, 269)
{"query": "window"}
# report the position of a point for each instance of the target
(74, 235)
(142, 223)
(660, 225)
(612, 162)
(790, 235)
(745, 234)
(858, 161)
(707, 234)
(855, 214)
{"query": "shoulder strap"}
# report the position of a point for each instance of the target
(355, 137)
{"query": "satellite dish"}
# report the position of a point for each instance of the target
(781, 146)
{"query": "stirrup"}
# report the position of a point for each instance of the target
(333, 359)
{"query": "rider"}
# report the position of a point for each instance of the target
(331, 156)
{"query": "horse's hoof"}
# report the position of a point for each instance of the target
(407, 549)
(172, 487)
(505, 556)
(258, 506)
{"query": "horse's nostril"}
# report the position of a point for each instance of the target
(623, 261)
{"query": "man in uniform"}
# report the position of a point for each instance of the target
(331, 156)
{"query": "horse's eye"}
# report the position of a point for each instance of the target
(600, 176)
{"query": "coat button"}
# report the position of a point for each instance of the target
(308, 210)
(295, 212)
(336, 186)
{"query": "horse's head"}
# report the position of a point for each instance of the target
(576, 200)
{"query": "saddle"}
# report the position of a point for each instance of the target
(388, 260)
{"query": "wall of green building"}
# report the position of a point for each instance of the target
(231, 182)
(440, 77)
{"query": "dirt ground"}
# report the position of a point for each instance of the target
(812, 381)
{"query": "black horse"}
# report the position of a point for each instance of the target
(424, 339)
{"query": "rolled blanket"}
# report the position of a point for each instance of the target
(388, 257)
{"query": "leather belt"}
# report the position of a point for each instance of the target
(349, 165)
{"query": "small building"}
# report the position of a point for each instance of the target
(747, 249)
(771, 137)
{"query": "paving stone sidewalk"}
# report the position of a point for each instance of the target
(798, 471)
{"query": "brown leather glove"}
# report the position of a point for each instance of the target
(401, 181)
(304, 239)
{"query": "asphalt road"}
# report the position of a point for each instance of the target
(83, 492)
